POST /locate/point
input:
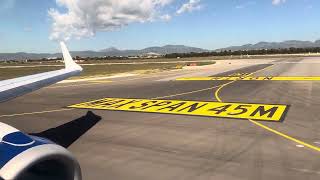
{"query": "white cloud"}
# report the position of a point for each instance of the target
(245, 5)
(165, 17)
(240, 6)
(277, 2)
(83, 18)
(190, 6)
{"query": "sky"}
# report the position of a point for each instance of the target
(37, 25)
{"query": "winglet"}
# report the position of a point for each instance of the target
(68, 61)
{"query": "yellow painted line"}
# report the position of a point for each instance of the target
(263, 112)
(295, 78)
(268, 128)
(285, 136)
(185, 93)
(216, 93)
(250, 78)
(58, 110)
(32, 113)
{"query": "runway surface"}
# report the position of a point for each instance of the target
(137, 145)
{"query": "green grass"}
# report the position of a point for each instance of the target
(8, 73)
(95, 70)
(122, 68)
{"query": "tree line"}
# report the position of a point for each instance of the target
(246, 52)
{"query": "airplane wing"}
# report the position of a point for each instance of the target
(13, 88)
(26, 156)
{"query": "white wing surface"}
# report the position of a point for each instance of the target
(12, 88)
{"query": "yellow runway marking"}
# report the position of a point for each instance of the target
(185, 93)
(285, 136)
(217, 96)
(263, 112)
(266, 127)
(223, 85)
(32, 113)
(216, 93)
(250, 78)
(43, 112)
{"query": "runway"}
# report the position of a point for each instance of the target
(148, 145)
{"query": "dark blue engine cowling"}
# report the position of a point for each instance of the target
(26, 157)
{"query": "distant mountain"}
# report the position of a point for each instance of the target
(112, 51)
(273, 45)
(168, 49)
(22, 55)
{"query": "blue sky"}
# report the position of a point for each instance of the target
(26, 25)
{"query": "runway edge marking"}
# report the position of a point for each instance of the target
(261, 112)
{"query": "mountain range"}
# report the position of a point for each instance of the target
(273, 45)
(168, 49)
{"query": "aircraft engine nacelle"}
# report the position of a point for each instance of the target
(26, 157)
